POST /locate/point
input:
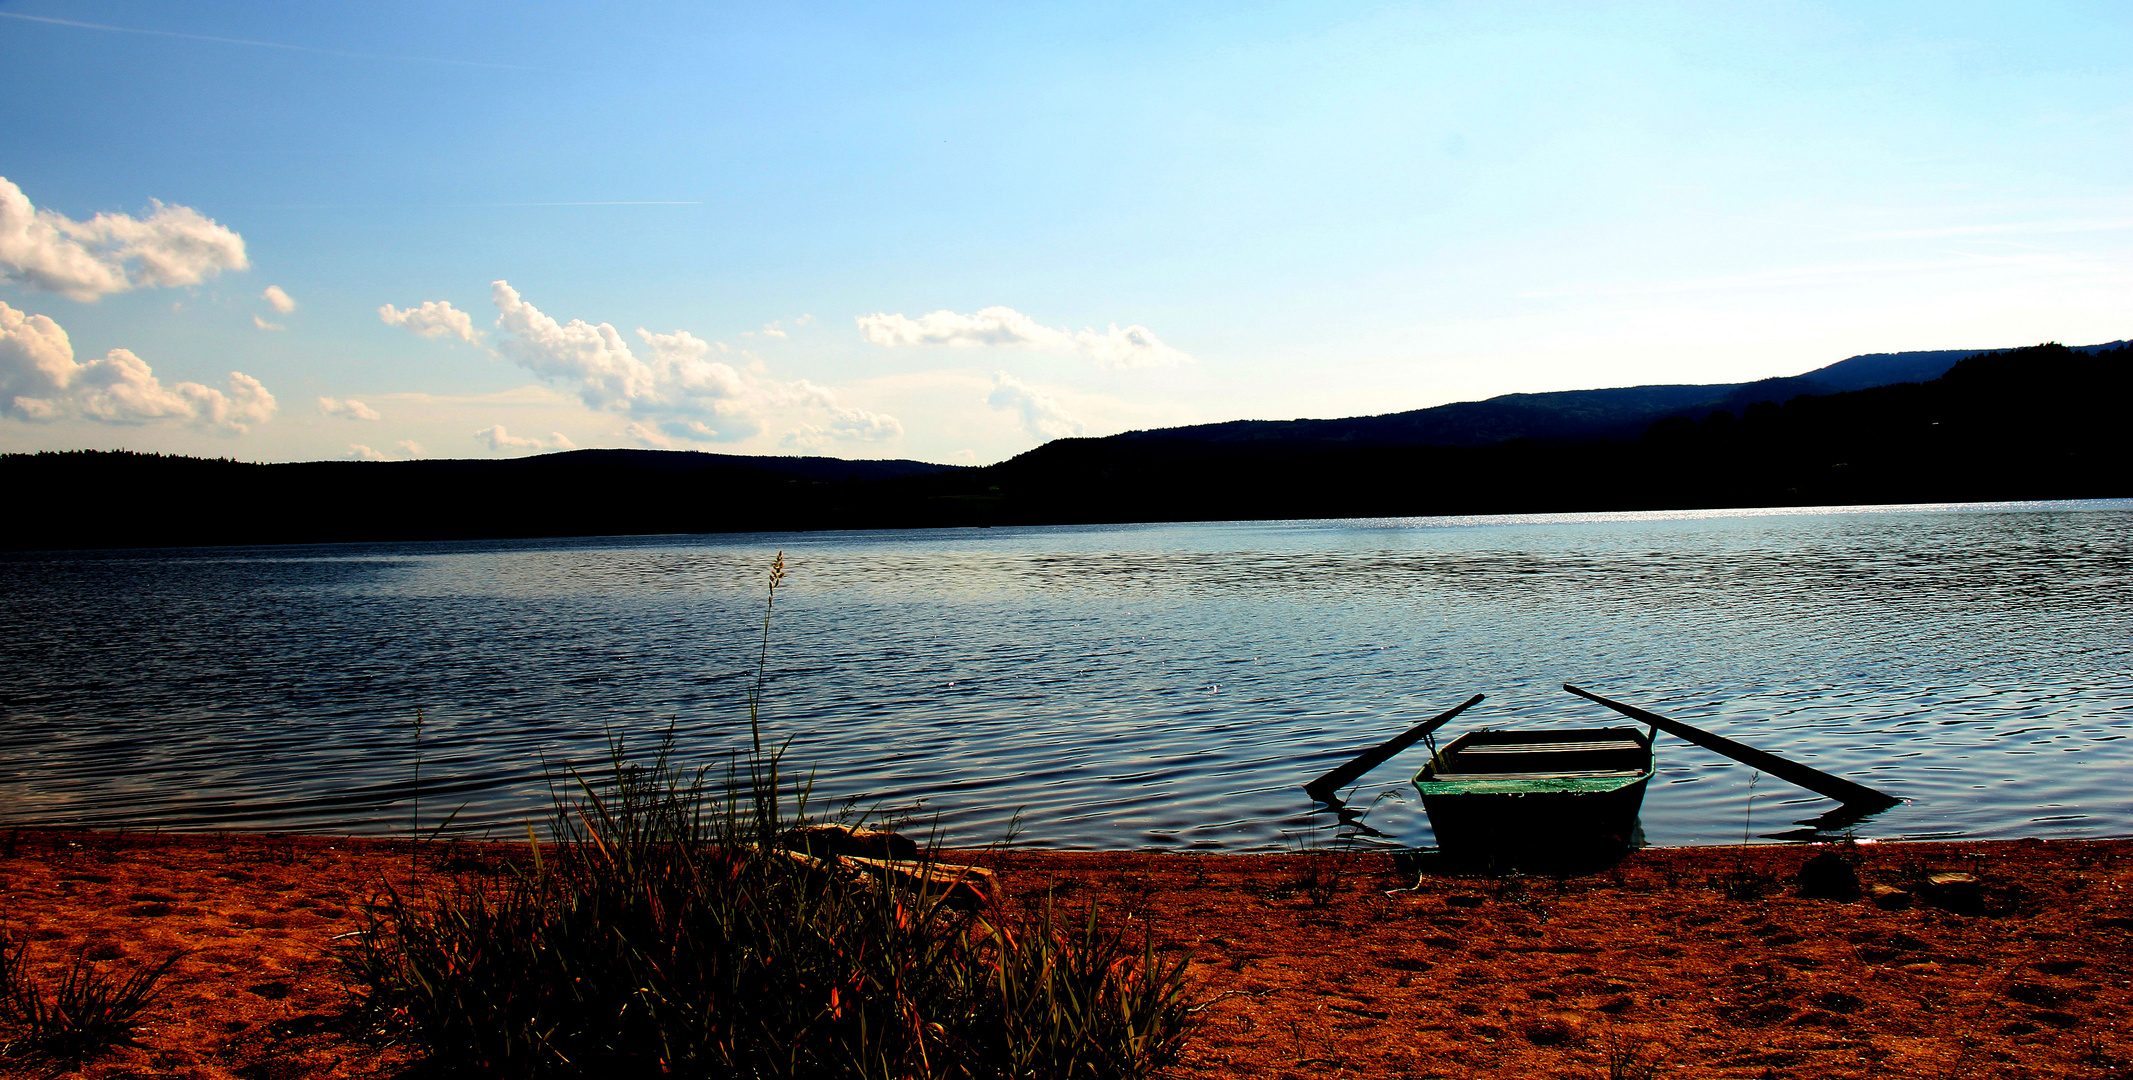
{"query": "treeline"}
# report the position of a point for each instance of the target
(90, 499)
(2038, 423)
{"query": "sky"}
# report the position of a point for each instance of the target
(282, 232)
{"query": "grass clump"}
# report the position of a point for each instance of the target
(89, 1011)
(1626, 1059)
(666, 929)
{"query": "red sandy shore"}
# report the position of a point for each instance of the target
(1460, 977)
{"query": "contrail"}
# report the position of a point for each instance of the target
(472, 206)
(618, 202)
(261, 44)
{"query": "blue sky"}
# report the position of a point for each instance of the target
(951, 233)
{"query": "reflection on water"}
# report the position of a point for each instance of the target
(1164, 685)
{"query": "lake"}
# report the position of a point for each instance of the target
(1166, 686)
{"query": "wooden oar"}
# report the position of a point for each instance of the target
(1324, 788)
(1815, 780)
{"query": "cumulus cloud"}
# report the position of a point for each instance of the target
(849, 425)
(348, 408)
(39, 380)
(1004, 327)
(278, 300)
(409, 447)
(111, 253)
(359, 452)
(434, 319)
(501, 441)
(667, 383)
(863, 426)
(1042, 416)
(265, 325)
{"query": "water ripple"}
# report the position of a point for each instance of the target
(1126, 686)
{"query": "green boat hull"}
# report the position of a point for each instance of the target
(1532, 819)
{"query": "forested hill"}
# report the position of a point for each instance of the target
(1581, 415)
(122, 499)
(2037, 423)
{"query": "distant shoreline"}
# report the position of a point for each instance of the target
(2027, 424)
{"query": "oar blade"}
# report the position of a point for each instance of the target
(1815, 780)
(1325, 787)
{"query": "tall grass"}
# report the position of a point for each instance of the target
(87, 1011)
(663, 929)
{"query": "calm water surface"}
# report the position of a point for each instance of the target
(1162, 685)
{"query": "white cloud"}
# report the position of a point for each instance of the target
(278, 300)
(434, 319)
(648, 435)
(993, 326)
(864, 426)
(111, 253)
(500, 440)
(265, 325)
(674, 391)
(39, 380)
(771, 329)
(1042, 416)
(847, 425)
(1004, 327)
(359, 452)
(349, 408)
(1133, 347)
(409, 447)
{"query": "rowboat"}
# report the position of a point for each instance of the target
(1571, 796)
(1537, 796)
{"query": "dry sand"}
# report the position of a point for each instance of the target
(1525, 977)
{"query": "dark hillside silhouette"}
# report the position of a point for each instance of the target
(689, 461)
(122, 499)
(2031, 423)
(2036, 423)
(1579, 415)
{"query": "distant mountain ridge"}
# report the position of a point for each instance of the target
(826, 469)
(2042, 422)
(1580, 415)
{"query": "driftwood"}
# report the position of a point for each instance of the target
(874, 857)
(868, 843)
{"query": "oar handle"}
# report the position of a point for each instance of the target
(1325, 787)
(1815, 780)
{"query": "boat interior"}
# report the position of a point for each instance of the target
(1535, 755)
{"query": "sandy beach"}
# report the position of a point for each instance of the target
(1333, 965)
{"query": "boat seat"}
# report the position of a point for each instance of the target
(1561, 774)
(1551, 747)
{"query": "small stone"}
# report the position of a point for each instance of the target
(826, 840)
(1888, 897)
(1828, 877)
(1555, 1030)
(1955, 892)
